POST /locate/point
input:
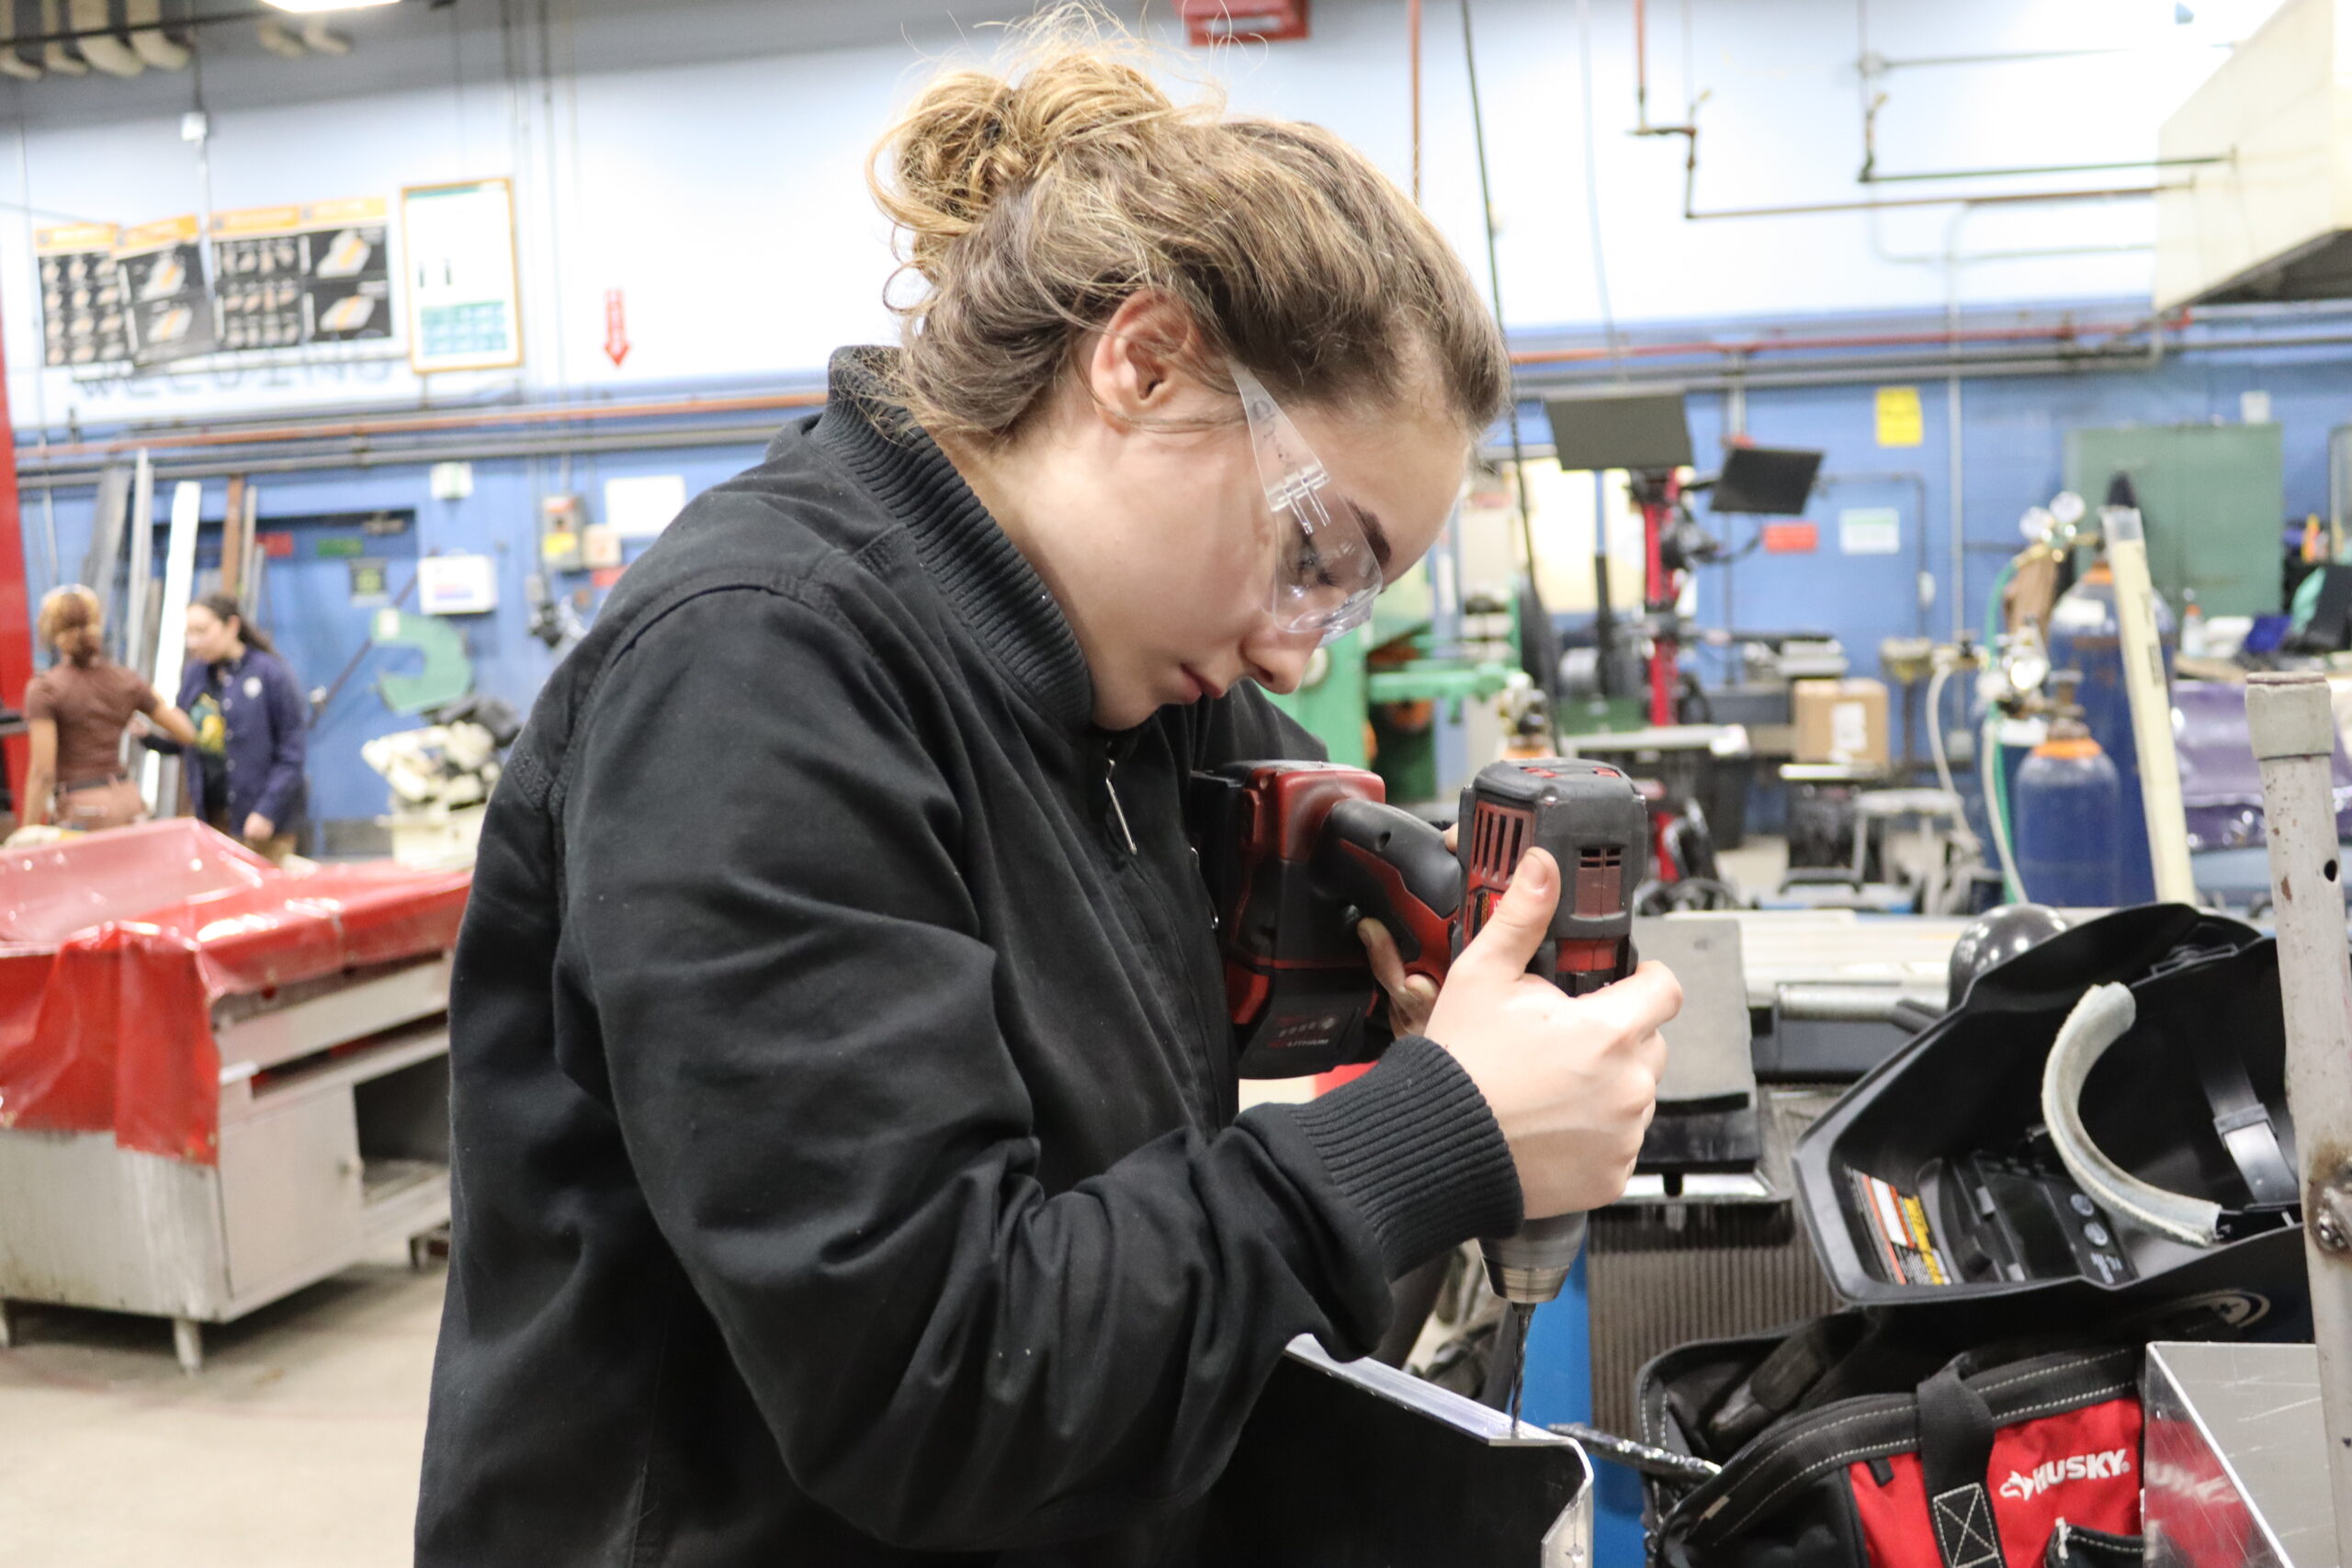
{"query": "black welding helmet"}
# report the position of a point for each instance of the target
(2097, 1133)
(1992, 939)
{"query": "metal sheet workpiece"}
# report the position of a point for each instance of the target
(2235, 1467)
(1355, 1464)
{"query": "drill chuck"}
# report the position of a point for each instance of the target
(1528, 1268)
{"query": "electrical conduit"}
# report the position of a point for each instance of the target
(1988, 748)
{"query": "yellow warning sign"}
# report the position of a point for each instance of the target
(1899, 423)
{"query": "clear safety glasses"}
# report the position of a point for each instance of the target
(1325, 575)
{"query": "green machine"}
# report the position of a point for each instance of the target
(2213, 499)
(447, 673)
(1346, 695)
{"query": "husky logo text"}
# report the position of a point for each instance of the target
(2025, 1487)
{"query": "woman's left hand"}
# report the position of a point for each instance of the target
(259, 828)
(1411, 997)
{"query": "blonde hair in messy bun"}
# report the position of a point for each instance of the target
(1031, 203)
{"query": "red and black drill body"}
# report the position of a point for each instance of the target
(1593, 820)
(1296, 853)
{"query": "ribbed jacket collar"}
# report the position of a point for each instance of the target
(987, 581)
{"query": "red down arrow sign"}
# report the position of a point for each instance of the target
(615, 326)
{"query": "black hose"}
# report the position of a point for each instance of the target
(1494, 290)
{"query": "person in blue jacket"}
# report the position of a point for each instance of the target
(252, 728)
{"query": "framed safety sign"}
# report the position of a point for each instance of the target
(465, 305)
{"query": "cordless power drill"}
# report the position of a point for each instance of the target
(1596, 825)
(1296, 853)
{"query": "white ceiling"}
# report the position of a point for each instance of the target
(413, 44)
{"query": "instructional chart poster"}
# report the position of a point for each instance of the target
(259, 253)
(161, 267)
(464, 292)
(85, 318)
(321, 273)
(279, 277)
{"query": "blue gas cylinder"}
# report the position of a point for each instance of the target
(2084, 636)
(2067, 823)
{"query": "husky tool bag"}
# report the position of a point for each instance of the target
(1831, 1456)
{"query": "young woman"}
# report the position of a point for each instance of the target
(847, 1168)
(78, 709)
(253, 728)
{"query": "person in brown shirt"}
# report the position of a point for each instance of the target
(78, 709)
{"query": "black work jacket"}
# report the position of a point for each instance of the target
(846, 1166)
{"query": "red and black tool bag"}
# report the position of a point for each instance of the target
(1975, 1466)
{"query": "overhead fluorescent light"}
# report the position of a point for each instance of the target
(306, 6)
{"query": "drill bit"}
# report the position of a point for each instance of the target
(1521, 1314)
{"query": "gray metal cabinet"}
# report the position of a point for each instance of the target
(289, 1187)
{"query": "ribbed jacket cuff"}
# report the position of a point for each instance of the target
(1412, 1146)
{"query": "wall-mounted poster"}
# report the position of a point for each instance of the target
(349, 294)
(464, 291)
(259, 254)
(320, 273)
(85, 318)
(161, 268)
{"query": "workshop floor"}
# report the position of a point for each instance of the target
(297, 1446)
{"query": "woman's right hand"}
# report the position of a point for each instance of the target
(1571, 1080)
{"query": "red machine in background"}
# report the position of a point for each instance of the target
(1659, 493)
(219, 1081)
(16, 613)
(1648, 436)
(116, 948)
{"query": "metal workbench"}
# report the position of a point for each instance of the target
(209, 1107)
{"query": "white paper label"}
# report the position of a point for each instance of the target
(640, 505)
(1849, 730)
(1869, 530)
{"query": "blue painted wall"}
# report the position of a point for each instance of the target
(630, 132)
(2013, 442)
(2013, 438)
(307, 604)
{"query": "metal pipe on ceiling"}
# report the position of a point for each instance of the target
(1859, 370)
(2058, 333)
(1869, 65)
(1870, 176)
(486, 449)
(1688, 132)
(1878, 64)
(1590, 386)
(404, 425)
(2000, 198)
(2077, 346)
(1413, 55)
(1642, 126)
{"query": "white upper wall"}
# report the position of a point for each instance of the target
(708, 159)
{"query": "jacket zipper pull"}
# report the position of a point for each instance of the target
(1111, 787)
(1216, 919)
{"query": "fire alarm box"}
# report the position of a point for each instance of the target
(566, 523)
(1254, 21)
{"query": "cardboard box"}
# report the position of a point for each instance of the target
(1843, 722)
